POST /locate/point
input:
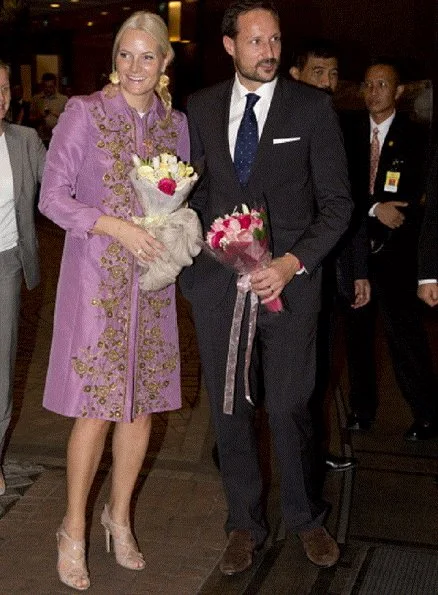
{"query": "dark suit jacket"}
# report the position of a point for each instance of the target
(303, 184)
(428, 244)
(403, 151)
(27, 155)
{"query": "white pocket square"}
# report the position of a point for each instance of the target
(280, 141)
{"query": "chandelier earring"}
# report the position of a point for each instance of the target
(114, 77)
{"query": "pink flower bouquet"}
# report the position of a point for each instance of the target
(240, 241)
(162, 185)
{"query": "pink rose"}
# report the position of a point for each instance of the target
(245, 221)
(215, 239)
(167, 185)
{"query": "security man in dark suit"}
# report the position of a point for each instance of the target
(386, 152)
(345, 270)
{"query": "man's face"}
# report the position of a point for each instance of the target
(318, 72)
(381, 91)
(256, 48)
(49, 88)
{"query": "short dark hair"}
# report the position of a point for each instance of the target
(318, 47)
(238, 7)
(48, 76)
(392, 63)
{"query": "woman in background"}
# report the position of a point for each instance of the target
(22, 156)
(115, 354)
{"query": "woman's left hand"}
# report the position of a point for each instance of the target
(141, 243)
(133, 237)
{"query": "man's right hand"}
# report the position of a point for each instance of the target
(428, 292)
(388, 213)
(362, 293)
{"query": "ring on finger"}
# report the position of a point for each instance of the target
(140, 251)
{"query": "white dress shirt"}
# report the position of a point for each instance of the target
(383, 129)
(8, 222)
(237, 108)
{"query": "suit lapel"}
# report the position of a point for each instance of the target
(256, 177)
(223, 117)
(282, 105)
(16, 159)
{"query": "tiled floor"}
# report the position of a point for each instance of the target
(180, 509)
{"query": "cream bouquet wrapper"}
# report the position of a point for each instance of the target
(239, 241)
(162, 185)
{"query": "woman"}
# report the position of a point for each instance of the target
(22, 157)
(114, 354)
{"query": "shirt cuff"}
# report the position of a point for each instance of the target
(426, 281)
(371, 212)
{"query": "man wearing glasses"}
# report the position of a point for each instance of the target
(386, 154)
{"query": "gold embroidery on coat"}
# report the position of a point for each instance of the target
(105, 368)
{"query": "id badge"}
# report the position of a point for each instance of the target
(392, 181)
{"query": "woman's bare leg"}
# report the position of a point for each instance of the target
(85, 448)
(130, 442)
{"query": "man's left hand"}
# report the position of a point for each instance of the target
(428, 292)
(268, 283)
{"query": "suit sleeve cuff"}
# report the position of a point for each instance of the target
(302, 268)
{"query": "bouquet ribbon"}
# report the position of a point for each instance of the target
(243, 287)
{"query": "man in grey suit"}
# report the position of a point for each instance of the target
(22, 156)
(299, 175)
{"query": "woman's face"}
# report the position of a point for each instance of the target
(5, 93)
(139, 63)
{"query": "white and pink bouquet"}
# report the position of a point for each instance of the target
(240, 241)
(162, 185)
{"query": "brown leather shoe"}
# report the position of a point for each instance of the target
(238, 554)
(320, 547)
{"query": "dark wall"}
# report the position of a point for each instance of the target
(405, 29)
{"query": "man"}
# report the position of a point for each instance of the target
(428, 244)
(316, 63)
(386, 153)
(46, 107)
(19, 108)
(22, 158)
(299, 175)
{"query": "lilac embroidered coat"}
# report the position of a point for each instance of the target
(115, 352)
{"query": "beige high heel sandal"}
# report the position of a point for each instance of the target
(72, 569)
(125, 546)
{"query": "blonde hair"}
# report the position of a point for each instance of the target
(153, 25)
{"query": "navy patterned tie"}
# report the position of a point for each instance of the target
(247, 140)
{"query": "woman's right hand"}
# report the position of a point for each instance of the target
(133, 237)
